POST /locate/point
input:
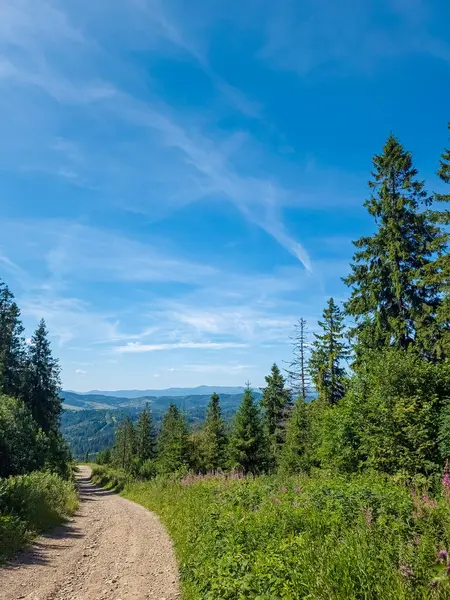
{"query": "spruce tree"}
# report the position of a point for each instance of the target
(124, 445)
(329, 350)
(390, 302)
(12, 345)
(275, 400)
(173, 441)
(43, 382)
(438, 273)
(444, 172)
(214, 438)
(294, 456)
(145, 436)
(248, 448)
(297, 373)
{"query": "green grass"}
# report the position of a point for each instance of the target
(30, 504)
(111, 479)
(317, 538)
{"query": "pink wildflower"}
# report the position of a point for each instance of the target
(406, 570)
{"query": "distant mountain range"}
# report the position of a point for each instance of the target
(195, 391)
(89, 420)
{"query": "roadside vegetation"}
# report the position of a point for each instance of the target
(336, 484)
(36, 487)
(320, 536)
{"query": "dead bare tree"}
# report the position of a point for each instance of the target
(297, 373)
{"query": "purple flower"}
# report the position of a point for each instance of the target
(406, 570)
(283, 490)
(277, 500)
(297, 490)
(443, 554)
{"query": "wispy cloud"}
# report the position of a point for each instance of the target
(80, 372)
(220, 368)
(201, 165)
(134, 200)
(242, 322)
(68, 319)
(137, 347)
(259, 199)
(346, 36)
(76, 251)
(168, 23)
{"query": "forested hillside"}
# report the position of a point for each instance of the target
(92, 430)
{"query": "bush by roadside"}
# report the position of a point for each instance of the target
(30, 504)
(109, 478)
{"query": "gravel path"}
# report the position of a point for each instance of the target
(112, 549)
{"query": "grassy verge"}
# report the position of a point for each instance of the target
(30, 504)
(111, 479)
(316, 538)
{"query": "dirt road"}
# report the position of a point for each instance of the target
(112, 549)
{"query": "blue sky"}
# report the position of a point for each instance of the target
(180, 182)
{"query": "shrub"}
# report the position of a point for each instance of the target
(13, 535)
(30, 504)
(22, 444)
(389, 418)
(112, 479)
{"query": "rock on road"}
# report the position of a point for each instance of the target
(112, 549)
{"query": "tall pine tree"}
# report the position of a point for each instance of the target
(329, 351)
(438, 273)
(390, 302)
(248, 448)
(145, 436)
(294, 456)
(444, 172)
(12, 345)
(43, 382)
(214, 439)
(173, 441)
(275, 401)
(125, 445)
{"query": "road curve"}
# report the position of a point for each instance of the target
(112, 549)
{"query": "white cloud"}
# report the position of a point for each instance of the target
(137, 347)
(222, 368)
(243, 322)
(80, 372)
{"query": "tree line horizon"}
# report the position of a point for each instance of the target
(390, 409)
